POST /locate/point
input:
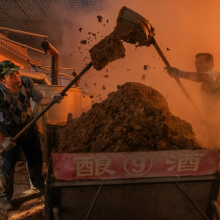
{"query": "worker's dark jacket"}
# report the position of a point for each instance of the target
(15, 108)
(15, 113)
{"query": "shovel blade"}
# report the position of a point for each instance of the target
(133, 28)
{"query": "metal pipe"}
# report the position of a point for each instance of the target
(37, 77)
(93, 202)
(18, 51)
(55, 60)
(63, 74)
(193, 203)
(24, 32)
(23, 45)
(63, 68)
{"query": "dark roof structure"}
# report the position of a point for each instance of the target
(45, 17)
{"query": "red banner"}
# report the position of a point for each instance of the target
(135, 164)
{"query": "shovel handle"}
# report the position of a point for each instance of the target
(50, 105)
(177, 80)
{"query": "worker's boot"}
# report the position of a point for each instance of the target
(5, 204)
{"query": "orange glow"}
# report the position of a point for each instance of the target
(182, 28)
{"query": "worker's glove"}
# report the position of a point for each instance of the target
(8, 143)
(57, 97)
(174, 72)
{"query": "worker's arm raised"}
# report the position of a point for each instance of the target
(193, 76)
(47, 100)
(37, 95)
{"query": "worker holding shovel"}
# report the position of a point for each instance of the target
(15, 114)
(210, 90)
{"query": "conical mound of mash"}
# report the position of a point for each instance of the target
(134, 118)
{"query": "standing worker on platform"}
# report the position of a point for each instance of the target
(210, 90)
(15, 114)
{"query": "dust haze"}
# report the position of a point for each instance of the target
(182, 29)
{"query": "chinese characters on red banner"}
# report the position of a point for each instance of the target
(135, 164)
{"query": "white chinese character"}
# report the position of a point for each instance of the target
(84, 166)
(102, 165)
(184, 162)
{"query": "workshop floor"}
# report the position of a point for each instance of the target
(29, 204)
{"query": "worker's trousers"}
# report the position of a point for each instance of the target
(30, 144)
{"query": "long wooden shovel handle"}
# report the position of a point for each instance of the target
(51, 104)
(177, 80)
(149, 32)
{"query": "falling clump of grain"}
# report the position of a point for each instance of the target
(99, 18)
(107, 50)
(83, 41)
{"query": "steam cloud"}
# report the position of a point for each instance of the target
(182, 28)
